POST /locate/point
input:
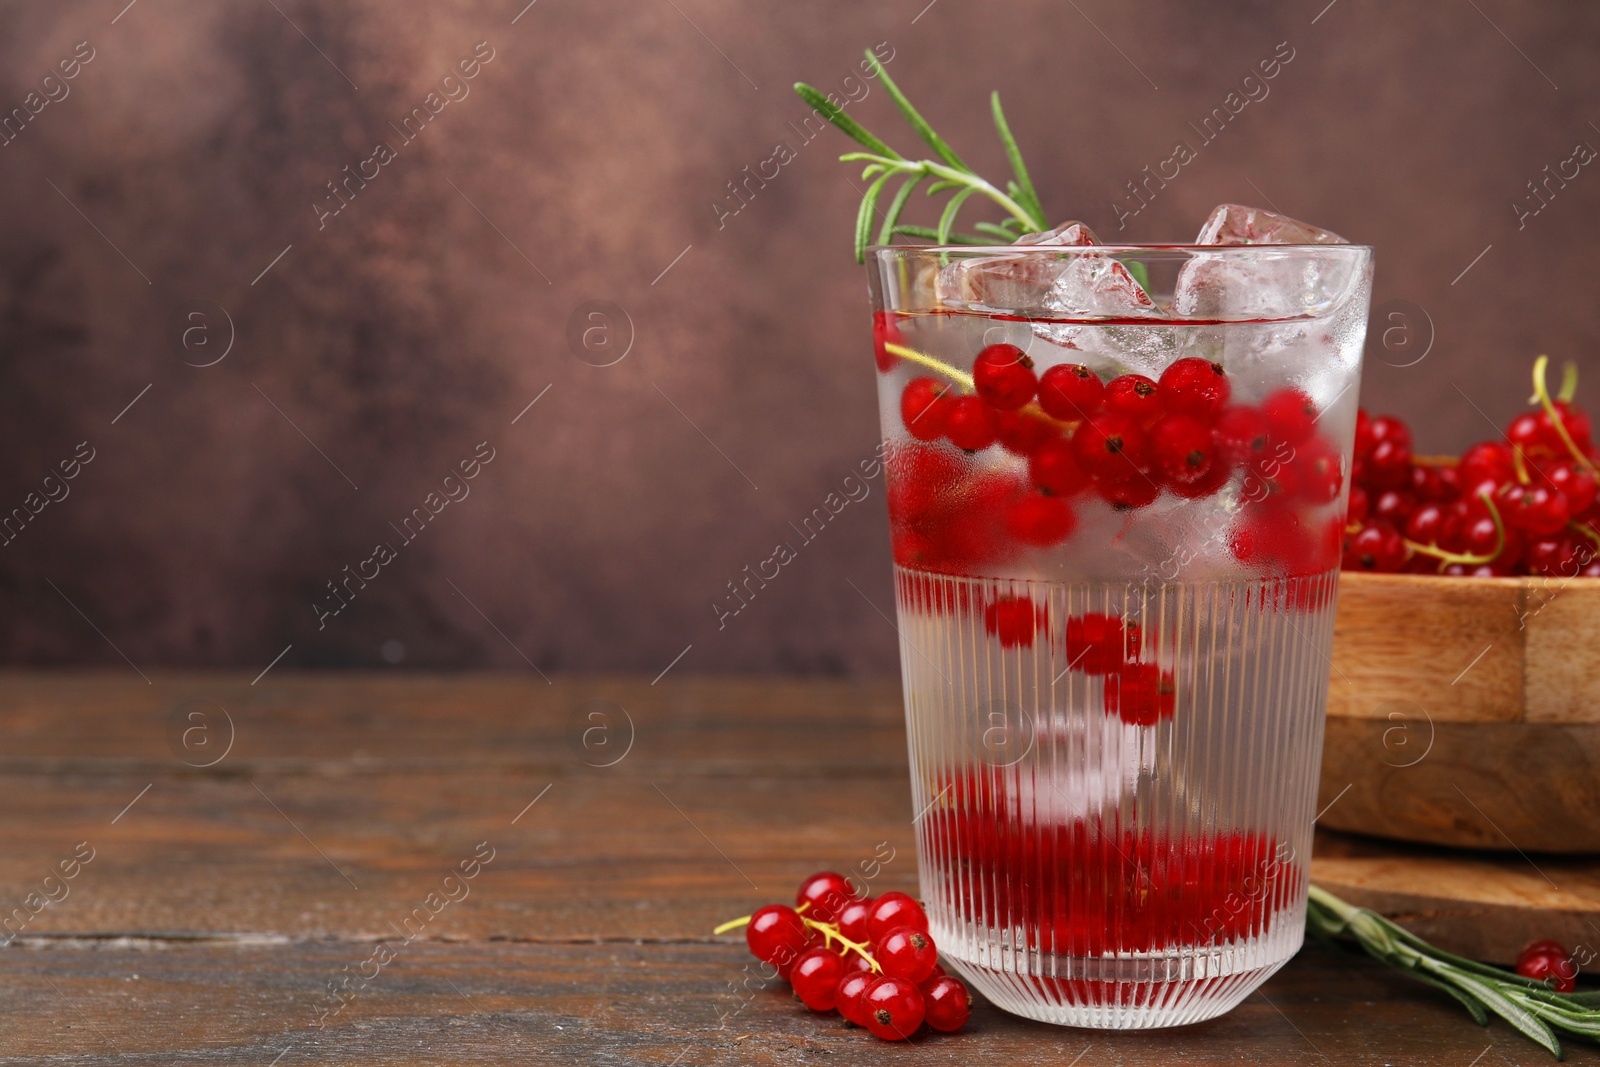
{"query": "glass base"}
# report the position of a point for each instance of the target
(1123, 994)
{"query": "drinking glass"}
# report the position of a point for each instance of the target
(1116, 664)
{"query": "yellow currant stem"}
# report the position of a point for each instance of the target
(1464, 558)
(1569, 382)
(731, 924)
(1519, 464)
(959, 376)
(1352, 527)
(830, 933)
(1587, 531)
(1542, 395)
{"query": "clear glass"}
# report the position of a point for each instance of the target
(1115, 693)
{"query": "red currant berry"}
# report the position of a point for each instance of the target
(1291, 415)
(816, 976)
(1134, 397)
(1003, 375)
(853, 918)
(948, 1004)
(1364, 438)
(1575, 483)
(1111, 447)
(1023, 433)
(1195, 387)
(1241, 434)
(924, 408)
(1484, 462)
(1389, 465)
(1100, 644)
(1394, 507)
(827, 893)
(1055, 470)
(1547, 961)
(1426, 525)
(1040, 521)
(884, 331)
(1214, 479)
(1182, 448)
(1391, 428)
(970, 424)
(1526, 433)
(1275, 540)
(906, 952)
(1318, 473)
(851, 996)
(1014, 620)
(1534, 509)
(895, 1009)
(776, 935)
(857, 962)
(1480, 537)
(894, 910)
(1359, 504)
(1377, 547)
(1575, 422)
(1557, 556)
(1141, 694)
(1071, 392)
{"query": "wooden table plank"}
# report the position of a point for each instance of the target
(236, 892)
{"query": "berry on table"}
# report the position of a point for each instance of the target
(947, 1004)
(816, 976)
(1547, 961)
(851, 996)
(776, 935)
(895, 1009)
(906, 952)
(1003, 376)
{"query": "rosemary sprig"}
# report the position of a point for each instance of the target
(1529, 1005)
(948, 171)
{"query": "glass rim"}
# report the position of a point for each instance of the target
(1110, 248)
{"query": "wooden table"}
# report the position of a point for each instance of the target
(221, 901)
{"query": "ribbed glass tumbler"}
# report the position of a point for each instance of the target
(1117, 479)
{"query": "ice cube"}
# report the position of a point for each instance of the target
(1071, 233)
(1235, 224)
(1268, 282)
(1012, 282)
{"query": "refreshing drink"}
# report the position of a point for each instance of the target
(1117, 481)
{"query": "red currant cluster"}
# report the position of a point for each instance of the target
(1124, 442)
(1548, 961)
(1523, 505)
(869, 958)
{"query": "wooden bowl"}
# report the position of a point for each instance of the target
(1466, 712)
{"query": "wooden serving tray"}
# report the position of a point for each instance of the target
(1487, 906)
(1466, 712)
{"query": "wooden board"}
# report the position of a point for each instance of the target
(220, 904)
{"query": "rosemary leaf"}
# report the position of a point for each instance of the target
(918, 123)
(864, 217)
(837, 116)
(947, 221)
(927, 233)
(999, 231)
(897, 205)
(1029, 198)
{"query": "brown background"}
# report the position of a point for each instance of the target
(587, 157)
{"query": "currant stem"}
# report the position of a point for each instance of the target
(830, 933)
(1586, 531)
(1519, 465)
(1466, 559)
(731, 924)
(1542, 394)
(958, 376)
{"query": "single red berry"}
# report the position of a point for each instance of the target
(1141, 694)
(1112, 447)
(854, 961)
(1100, 644)
(816, 976)
(827, 892)
(1274, 539)
(1426, 525)
(924, 408)
(1071, 392)
(851, 996)
(1389, 465)
(1480, 537)
(906, 952)
(1127, 493)
(1359, 505)
(1486, 461)
(1023, 433)
(893, 910)
(1548, 961)
(1040, 521)
(1014, 620)
(948, 1004)
(884, 331)
(1318, 472)
(1364, 438)
(1136, 398)
(1394, 507)
(1391, 428)
(1557, 556)
(1449, 484)
(853, 918)
(1575, 483)
(776, 935)
(1241, 434)
(1003, 375)
(1214, 479)
(1195, 387)
(1182, 449)
(1055, 469)
(1574, 421)
(895, 1009)
(1526, 433)
(1377, 547)
(1534, 509)
(1291, 415)
(970, 424)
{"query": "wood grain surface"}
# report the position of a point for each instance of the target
(220, 902)
(1464, 712)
